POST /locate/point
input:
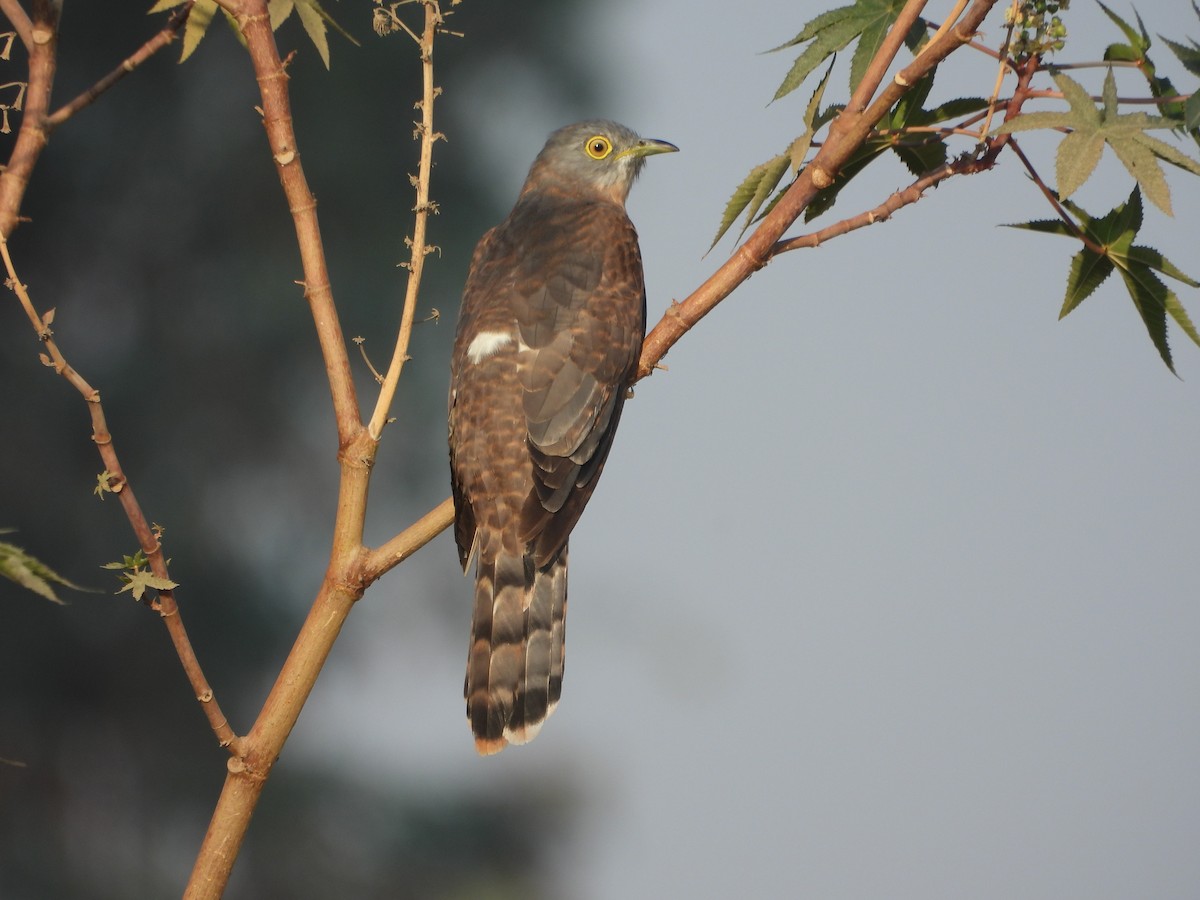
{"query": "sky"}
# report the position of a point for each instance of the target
(889, 586)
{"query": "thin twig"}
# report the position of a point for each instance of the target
(165, 604)
(422, 210)
(1052, 199)
(164, 37)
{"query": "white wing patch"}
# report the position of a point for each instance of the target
(488, 343)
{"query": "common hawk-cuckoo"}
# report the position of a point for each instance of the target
(549, 333)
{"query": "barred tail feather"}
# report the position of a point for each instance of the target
(515, 664)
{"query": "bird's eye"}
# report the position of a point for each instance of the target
(598, 147)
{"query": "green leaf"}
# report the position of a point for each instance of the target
(1191, 112)
(312, 15)
(763, 179)
(1091, 127)
(827, 42)
(1110, 246)
(1150, 298)
(31, 573)
(137, 581)
(1188, 56)
(770, 171)
(314, 24)
(1139, 40)
(867, 20)
(1088, 271)
(198, 21)
(1046, 226)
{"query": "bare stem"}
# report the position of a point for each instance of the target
(422, 211)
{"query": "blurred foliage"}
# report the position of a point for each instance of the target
(158, 231)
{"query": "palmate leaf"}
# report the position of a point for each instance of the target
(1092, 127)
(867, 20)
(1111, 248)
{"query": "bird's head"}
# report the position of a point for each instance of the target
(595, 157)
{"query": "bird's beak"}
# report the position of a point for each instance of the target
(649, 147)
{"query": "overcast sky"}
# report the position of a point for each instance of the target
(889, 587)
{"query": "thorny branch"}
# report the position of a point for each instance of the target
(434, 21)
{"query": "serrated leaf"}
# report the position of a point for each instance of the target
(828, 42)
(922, 157)
(1189, 57)
(1139, 162)
(314, 25)
(1088, 271)
(1139, 41)
(137, 582)
(1077, 158)
(1191, 112)
(867, 20)
(745, 192)
(31, 573)
(1149, 297)
(1046, 226)
(798, 149)
(1110, 245)
(198, 21)
(1125, 134)
(1148, 256)
(278, 11)
(815, 26)
(164, 5)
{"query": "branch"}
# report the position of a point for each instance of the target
(351, 567)
(255, 26)
(378, 561)
(846, 134)
(416, 264)
(32, 135)
(168, 33)
(20, 22)
(118, 483)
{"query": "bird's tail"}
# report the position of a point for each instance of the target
(515, 664)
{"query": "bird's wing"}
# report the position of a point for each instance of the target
(580, 310)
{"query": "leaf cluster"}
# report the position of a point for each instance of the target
(312, 15)
(136, 577)
(918, 134)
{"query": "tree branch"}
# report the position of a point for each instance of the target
(168, 33)
(846, 134)
(272, 79)
(423, 209)
(32, 135)
(118, 483)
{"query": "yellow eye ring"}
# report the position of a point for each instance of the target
(598, 146)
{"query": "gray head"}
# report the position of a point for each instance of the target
(593, 157)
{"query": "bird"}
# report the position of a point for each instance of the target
(549, 332)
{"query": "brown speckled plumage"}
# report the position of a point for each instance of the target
(551, 325)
